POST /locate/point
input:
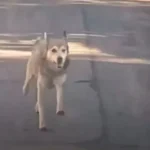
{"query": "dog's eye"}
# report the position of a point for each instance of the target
(54, 50)
(63, 50)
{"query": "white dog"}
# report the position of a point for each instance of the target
(47, 64)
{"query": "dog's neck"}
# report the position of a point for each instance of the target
(50, 67)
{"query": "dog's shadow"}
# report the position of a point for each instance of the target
(48, 130)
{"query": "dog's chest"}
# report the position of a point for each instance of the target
(48, 78)
(47, 81)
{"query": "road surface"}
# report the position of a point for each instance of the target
(107, 92)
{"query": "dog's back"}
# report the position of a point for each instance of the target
(37, 55)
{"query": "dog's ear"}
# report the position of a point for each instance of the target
(44, 45)
(45, 35)
(65, 35)
(46, 38)
(66, 39)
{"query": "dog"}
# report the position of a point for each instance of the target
(48, 65)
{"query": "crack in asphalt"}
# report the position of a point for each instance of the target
(95, 86)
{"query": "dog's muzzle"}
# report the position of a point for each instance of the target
(59, 62)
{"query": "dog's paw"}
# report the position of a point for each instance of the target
(25, 90)
(36, 109)
(60, 113)
(43, 129)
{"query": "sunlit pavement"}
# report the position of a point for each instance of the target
(107, 92)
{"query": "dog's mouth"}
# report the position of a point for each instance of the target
(59, 66)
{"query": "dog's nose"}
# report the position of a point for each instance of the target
(59, 60)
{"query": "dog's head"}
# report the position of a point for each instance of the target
(57, 51)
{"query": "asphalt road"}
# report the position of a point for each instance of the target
(106, 95)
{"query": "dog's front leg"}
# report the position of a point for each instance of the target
(60, 101)
(59, 84)
(40, 98)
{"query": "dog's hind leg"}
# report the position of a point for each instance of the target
(36, 108)
(36, 105)
(28, 79)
